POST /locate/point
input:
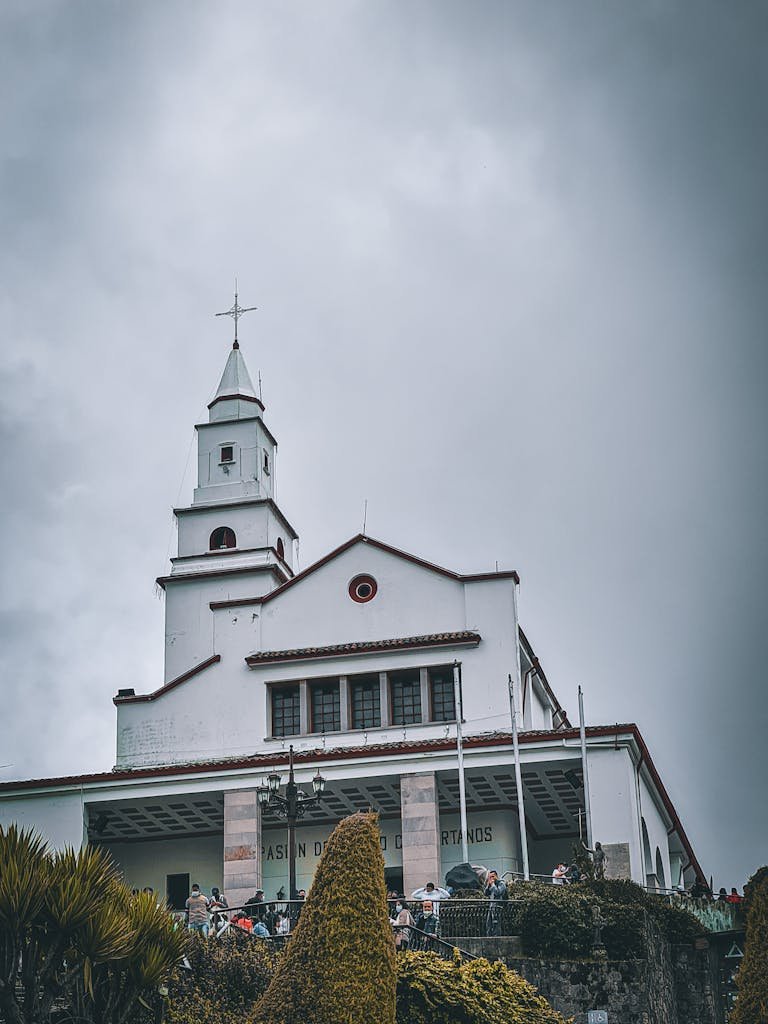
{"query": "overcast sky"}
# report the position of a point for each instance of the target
(510, 262)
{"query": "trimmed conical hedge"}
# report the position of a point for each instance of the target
(339, 967)
(752, 980)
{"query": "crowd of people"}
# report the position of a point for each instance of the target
(206, 914)
(415, 926)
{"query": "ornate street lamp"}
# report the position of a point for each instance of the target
(293, 806)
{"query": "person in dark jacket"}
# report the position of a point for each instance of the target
(428, 922)
(496, 891)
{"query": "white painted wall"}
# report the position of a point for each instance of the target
(615, 817)
(250, 441)
(148, 863)
(57, 816)
(656, 821)
(256, 525)
(317, 611)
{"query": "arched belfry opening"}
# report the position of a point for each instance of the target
(223, 537)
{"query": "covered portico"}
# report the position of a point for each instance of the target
(223, 837)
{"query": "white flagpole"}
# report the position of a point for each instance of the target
(519, 783)
(460, 754)
(585, 770)
(515, 692)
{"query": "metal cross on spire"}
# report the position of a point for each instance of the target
(236, 312)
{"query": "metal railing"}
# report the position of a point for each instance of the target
(426, 943)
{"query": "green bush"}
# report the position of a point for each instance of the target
(435, 991)
(556, 920)
(339, 965)
(228, 976)
(752, 980)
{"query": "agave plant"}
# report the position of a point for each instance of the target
(72, 934)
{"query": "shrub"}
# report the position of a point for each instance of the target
(435, 991)
(340, 962)
(752, 980)
(556, 920)
(228, 976)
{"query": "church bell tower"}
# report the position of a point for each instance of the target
(233, 540)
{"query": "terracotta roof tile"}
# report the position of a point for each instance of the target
(461, 637)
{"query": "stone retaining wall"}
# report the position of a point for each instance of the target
(672, 986)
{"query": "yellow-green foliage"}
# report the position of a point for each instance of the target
(228, 976)
(340, 963)
(435, 991)
(752, 981)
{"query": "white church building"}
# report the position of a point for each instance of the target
(351, 661)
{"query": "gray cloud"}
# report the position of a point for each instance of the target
(509, 261)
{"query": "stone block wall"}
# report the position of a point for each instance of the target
(671, 987)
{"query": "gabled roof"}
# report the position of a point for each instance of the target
(361, 538)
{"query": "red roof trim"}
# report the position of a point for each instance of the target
(544, 681)
(361, 538)
(236, 397)
(666, 800)
(142, 698)
(463, 638)
(351, 753)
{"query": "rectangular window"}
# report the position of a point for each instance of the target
(405, 694)
(286, 711)
(365, 699)
(441, 694)
(227, 453)
(325, 706)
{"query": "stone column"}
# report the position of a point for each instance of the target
(420, 830)
(242, 846)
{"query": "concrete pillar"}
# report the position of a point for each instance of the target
(420, 830)
(242, 846)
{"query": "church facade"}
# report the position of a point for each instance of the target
(353, 662)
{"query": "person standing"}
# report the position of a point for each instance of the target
(402, 923)
(197, 911)
(432, 893)
(428, 923)
(560, 874)
(218, 903)
(496, 891)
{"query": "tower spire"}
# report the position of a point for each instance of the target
(236, 312)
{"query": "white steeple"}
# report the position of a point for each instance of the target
(235, 396)
(233, 539)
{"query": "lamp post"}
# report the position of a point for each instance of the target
(293, 806)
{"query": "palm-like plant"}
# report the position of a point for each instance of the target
(71, 932)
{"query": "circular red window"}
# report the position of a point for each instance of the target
(363, 589)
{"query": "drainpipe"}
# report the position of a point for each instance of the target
(532, 671)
